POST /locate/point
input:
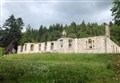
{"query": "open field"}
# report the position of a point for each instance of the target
(57, 68)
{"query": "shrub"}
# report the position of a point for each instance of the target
(2, 51)
(116, 64)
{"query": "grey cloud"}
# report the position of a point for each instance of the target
(80, 10)
(47, 13)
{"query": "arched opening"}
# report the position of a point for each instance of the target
(52, 46)
(90, 44)
(21, 50)
(25, 47)
(61, 43)
(70, 43)
(31, 47)
(39, 47)
(45, 47)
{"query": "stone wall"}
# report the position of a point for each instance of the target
(112, 47)
(65, 48)
(97, 44)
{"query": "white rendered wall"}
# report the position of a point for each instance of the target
(99, 45)
(102, 44)
(112, 47)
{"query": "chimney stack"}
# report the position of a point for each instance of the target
(64, 34)
(107, 30)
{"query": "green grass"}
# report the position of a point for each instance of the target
(57, 68)
(2, 51)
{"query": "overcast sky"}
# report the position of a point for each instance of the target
(38, 13)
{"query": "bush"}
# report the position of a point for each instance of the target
(2, 51)
(116, 64)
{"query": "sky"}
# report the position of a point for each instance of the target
(48, 12)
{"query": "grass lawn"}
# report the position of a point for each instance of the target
(57, 68)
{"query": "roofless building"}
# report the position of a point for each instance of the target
(96, 44)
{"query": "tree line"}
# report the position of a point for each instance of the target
(53, 32)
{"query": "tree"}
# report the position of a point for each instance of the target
(27, 36)
(116, 11)
(115, 34)
(1, 37)
(55, 35)
(40, 32)
(12, 31)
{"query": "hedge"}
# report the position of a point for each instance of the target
(2, 51)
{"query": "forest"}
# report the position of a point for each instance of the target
(53, 32)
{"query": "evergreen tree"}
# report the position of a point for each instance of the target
(115, 34)
(27, 36)
(12, 31)
(116, 11)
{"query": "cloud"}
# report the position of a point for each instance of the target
(47, 13)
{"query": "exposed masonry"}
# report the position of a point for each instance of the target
(97, 44)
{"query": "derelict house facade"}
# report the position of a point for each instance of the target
(96, 44)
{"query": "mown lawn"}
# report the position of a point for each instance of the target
(57, 68)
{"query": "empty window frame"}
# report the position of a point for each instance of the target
(31, 47)
(39, 47)
(70, 43)
(61, 43)
(93, 44)
(25, 47)
(45, 47)
(90, 44)
(52, 46)
(21, 50)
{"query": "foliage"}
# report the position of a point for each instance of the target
(73, 30)
(2, 33)
(57, 68)
(43, 34)
(1, 51)
(52, 33)
(116, 11)
(12, 30)
(116, 63)
(27, 36)
(115, 34)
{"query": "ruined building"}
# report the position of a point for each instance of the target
(96, 44)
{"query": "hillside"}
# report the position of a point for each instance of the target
(57, 68)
